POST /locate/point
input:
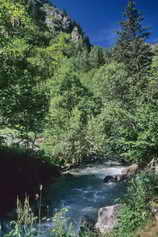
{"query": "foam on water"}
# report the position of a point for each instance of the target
(83, 193)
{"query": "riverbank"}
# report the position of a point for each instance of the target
(80, 195)
(80, 191)
(21, 174)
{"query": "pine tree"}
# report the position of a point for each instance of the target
(96, 57)
(131, 47)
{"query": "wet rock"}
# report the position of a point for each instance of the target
(114, 178)
(108, 179)
(121, 177)
(130, 170)
(68, 175)
(107, 218)
(126, 172)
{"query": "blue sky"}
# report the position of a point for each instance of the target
(100, 19)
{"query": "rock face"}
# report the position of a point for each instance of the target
(125, 173)
(107, 218)
(59, 21)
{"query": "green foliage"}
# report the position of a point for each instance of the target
(111, 82)
(88, 59)
(78, 98)
(71, 106)
(131, 48)
(61, 228)
(24, 225)
(82, 100)
(20, 91)
(96, 57)
(135, 211)
(26, 65)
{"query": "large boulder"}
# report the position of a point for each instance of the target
(107, 218)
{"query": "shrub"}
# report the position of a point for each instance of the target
(135, 211)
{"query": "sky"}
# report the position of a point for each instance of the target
(100, 19)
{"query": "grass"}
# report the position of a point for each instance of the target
(29, 225)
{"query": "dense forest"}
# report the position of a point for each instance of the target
(74, 99)
(66, 101)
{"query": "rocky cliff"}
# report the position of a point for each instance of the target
(58, 20)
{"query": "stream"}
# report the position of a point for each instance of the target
(81, 192)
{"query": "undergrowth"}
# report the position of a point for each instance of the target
(29, 225)
(134, 214)
(136, 210)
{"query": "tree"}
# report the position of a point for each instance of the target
(26, 64)
(111, 83)
(131, 47)
(24, 99)
(96, 57)
(71, 106)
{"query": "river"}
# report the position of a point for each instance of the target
(81, 192)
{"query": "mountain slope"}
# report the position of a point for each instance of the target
(56, 20)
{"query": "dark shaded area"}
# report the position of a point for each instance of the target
(22, 173)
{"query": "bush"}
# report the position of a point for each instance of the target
(135, 211)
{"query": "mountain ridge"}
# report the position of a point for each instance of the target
(58, 20)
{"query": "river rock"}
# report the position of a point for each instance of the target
(153, 205)
(126, 172)
(108, 178)
(130, 170)
(107, 218)
(114, 178)
(68, 175)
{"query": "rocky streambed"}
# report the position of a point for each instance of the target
(82, 191)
